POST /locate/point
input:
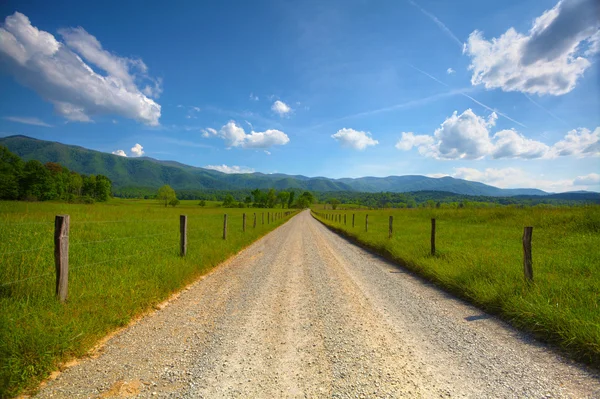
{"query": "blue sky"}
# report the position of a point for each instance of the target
(506, 93)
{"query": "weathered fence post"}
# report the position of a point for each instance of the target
(254, 223)
(244, 222)
(263, 218)
(366, 222)
(352, 220)
(225, 227)
(344, 219)
(432, 236)
(61, 255)
(183, 234)
(391, 227)
(527, 259)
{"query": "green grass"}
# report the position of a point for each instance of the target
(134, 265)
(479, 256)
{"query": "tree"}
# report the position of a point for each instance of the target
(103, 186)
(37, 182)
(174, 202)
(291, 199)
(11, 171)
(202, 203)
(271, 198)
(229, 200)
(248, 201)
(334, 203)
(305, 200)
(166, 194)
(282, 198)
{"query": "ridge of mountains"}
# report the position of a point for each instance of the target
(152, 173)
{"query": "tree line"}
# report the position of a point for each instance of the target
(34, 181)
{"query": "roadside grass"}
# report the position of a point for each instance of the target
(479, 257)
(123, 260)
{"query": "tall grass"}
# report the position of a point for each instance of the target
(479, 256)
(124, 258)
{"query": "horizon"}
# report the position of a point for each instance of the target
(342, 89)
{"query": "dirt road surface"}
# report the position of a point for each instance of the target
(302, 313)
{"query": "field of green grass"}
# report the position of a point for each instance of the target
(123, 260)
(479, 256)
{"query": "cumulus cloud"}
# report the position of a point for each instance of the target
(120, 153)
(549, 59)
(58, 73)
(27, 121)
(355, 139)
(588, 180)
(235, 136)
(230, 169)
(450, 71)
(137, 150)
(208, 132)
(468, 136)
(281, 108)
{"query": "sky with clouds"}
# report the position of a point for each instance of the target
(506, 93)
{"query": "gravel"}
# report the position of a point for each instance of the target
(302, 313)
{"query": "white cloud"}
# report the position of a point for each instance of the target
(209, 131)
(137, 150)
(28, 121)
(120, 153)
(547, 60)
(230, 169)
(57, 72)
(253, 97)
(510, 144)
(281, 108)
(515, 178)
(267, 152)
(578, 142)
(467, 136)
(450, 71)
(235, 136)
(354, 139)
(588, 180)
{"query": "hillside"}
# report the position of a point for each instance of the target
(152, 173)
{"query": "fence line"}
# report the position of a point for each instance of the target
(119, 238)
(25, 250)
(25, 279)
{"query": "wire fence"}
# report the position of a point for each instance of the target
(62, 258)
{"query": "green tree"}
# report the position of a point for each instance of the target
(174, 202)
(334, 203)
(248, 201)
(11, 171)
(75, 184)
(166, 194)
(202, 203)
(305, 200)
(291, 199)
(103, 187)
(282, 198)
(228, 201)
(89, 186)
(37, 182)
(271, 198)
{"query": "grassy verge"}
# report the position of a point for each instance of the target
(124, 259)
(479, 257)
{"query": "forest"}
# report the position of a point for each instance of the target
(34, 181)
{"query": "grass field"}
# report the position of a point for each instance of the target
(124, 258)
(479, 256)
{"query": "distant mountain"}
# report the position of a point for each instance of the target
(153, 173)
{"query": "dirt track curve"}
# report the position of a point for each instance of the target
(303, 313)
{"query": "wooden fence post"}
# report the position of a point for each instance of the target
(254, 223)
(268, 217)
(432, 236)
(366, 222)
(263, 218)
(527, 259)
(352, 220)
(244, 222)
(61, 255)
(391, 227)
(183, 234)
(225, 227)
(344, 219)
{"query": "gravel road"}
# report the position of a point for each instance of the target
(303, 313)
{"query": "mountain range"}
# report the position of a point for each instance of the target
(153, 173)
